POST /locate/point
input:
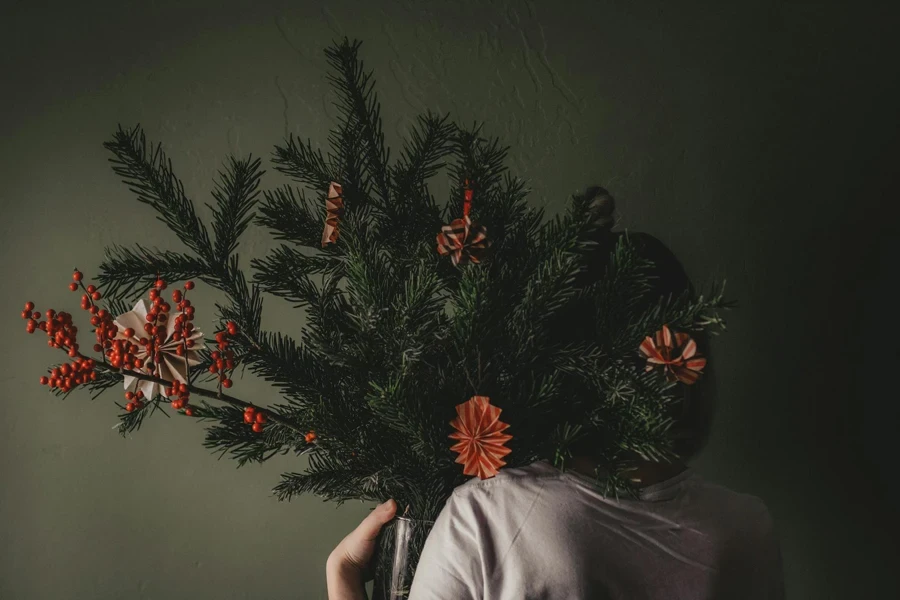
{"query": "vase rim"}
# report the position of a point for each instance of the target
(411, 519)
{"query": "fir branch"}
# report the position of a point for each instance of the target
(127, 273)
(421, 155)
(289, 366)
(303, 164)
(359, 103)
(235, 193)
(287, 273)
(148, 173)
(291, 218)
(231, 435)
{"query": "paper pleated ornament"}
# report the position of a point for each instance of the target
(173, 367)
(675, 353)
(334, 210)
(480, 436)
(463, 240)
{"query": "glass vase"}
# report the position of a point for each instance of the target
(399, 546)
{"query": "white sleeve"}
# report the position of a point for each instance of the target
(450, 567)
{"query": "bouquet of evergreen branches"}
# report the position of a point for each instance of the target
(423, 320)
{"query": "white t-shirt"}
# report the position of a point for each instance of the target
(538, 533)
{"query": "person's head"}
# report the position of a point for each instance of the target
(693, 413)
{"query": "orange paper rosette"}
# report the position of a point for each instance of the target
(481, 439)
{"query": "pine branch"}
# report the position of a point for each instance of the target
(421, 155)
(148, 173)
(235, 194)
(292, 218)
(303, 164)
(359, 104)
(127, 273)
(287, 273)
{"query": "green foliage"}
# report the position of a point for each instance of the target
(395, 336)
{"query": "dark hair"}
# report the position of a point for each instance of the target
(694, 413)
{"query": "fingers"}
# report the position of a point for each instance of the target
(372, 524)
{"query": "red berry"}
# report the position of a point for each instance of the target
(258, 427)
(29, 306)
(45, 380)
(220, 337)
(154, 294)
(189, 412)
(91, 289)
(160, 284)
(73, 286)
(96, 296)
(250, 409)
(176, 296)
(76, 276)
(130, 407)
(50, 314)
(232, 328)
(226, 383)
(35, 315)
(248, 418)
(310, 437)
(188, 285)
(261, 417)
(213, 369)
(129, 395)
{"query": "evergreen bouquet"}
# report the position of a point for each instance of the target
(438, 340)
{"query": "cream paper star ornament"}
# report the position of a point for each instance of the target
(173, 367)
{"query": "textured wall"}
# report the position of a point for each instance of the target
(755, 138)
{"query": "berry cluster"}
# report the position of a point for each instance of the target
(310, 437)
(62, 334)
(183, 329)
(255, 417)
(223, 358)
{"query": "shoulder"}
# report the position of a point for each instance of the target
(514, 478)
(747, 513)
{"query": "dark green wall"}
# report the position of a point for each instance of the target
(757, 139)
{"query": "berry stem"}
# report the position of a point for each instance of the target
(275, 418)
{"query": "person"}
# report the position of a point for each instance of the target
(541, 532)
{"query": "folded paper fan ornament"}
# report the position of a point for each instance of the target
(463, 240)
(675, 353)
(480, 436)
(172, 367)
(334, 210)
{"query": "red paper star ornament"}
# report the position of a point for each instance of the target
(675, 353)
(480, 436)
(463, 240)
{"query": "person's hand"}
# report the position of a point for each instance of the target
(349, 564)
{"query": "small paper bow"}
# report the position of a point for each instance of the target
(663, 349)
(481, 438)
(334, 210)
(173, 368)
(463, 240)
